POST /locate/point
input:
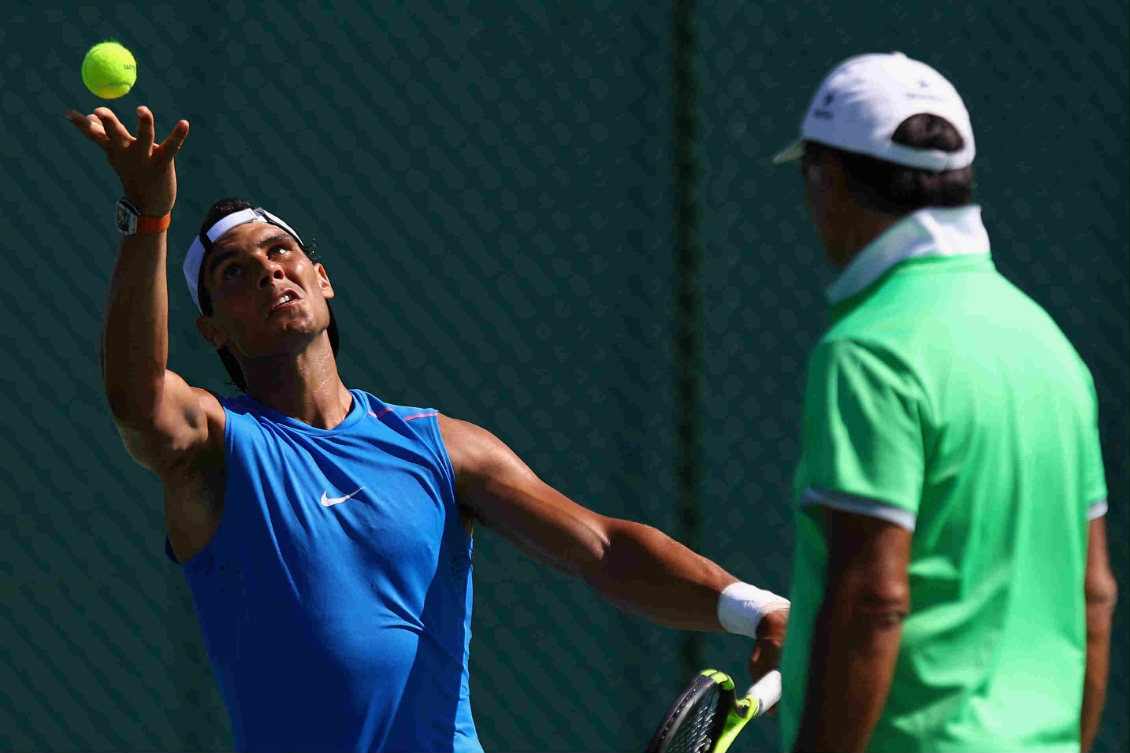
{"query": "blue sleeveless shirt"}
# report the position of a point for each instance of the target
(335, 598)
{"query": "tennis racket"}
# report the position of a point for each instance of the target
(705, 718)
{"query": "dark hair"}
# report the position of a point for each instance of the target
(897, 189)
(216, 212)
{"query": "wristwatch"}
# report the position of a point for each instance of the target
(131, 222)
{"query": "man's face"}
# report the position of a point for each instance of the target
(814, 197)
(268, 297)
(824, 197)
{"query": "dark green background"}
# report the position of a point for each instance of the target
(491, 186)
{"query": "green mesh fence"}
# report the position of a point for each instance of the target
(492, 188)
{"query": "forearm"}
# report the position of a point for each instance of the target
(1094, 683)
(647, 573)
(1100, 593)
(634, 566)
(135, 333)
(856, 635)
(855, 646)
(134, 347)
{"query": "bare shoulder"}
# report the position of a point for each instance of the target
(181, 441)
(464, 440)
(496, 487)
(194, 478)
(213, 411)
(187, 422)
(212, 419)
(475, 453)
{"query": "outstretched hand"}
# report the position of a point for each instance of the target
(145, 168)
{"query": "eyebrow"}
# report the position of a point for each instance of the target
(226, 252)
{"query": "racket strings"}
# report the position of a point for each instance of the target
(696, 732)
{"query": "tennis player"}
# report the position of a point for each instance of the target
(325, 534)
(951, 589)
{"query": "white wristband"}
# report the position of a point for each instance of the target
(741, 607)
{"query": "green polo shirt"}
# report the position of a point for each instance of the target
(944, 400)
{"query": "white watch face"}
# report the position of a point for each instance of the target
(126, 219)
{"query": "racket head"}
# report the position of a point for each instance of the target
(697, 717)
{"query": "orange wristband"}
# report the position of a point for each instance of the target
(153, 224)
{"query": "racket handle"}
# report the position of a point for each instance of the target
(767, 691)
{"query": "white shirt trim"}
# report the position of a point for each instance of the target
(1096, 510)
(873, 508)
(892, 513)
(927, 232)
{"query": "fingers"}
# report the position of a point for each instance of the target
(103, 128)
(172, 144)
(766, 655)
(89, 126)
(758, 665)
(145, 128)
(116, 133)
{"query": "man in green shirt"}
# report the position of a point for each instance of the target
(951, 588)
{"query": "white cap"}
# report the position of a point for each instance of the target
(202, 244)
(863, 101)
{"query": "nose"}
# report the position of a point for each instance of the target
(271, 270)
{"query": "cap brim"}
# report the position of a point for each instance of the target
(793, 151)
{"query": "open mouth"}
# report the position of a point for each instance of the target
(286, 299)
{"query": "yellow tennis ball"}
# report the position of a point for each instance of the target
(109, 70)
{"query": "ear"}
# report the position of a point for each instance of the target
(212, 332)
(324, 281)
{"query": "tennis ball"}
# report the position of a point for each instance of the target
(109, 70)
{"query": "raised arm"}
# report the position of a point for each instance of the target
(158, 415)
(634, 566)
(1101, 593)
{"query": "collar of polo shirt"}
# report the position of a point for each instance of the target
(927, 232)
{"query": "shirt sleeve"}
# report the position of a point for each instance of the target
(863, 432)
(1093, 475)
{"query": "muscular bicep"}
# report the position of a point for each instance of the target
(501, 491)
(184, 421)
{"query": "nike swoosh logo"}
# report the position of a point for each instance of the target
(331, 501)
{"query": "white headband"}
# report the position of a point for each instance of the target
(203, 243)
